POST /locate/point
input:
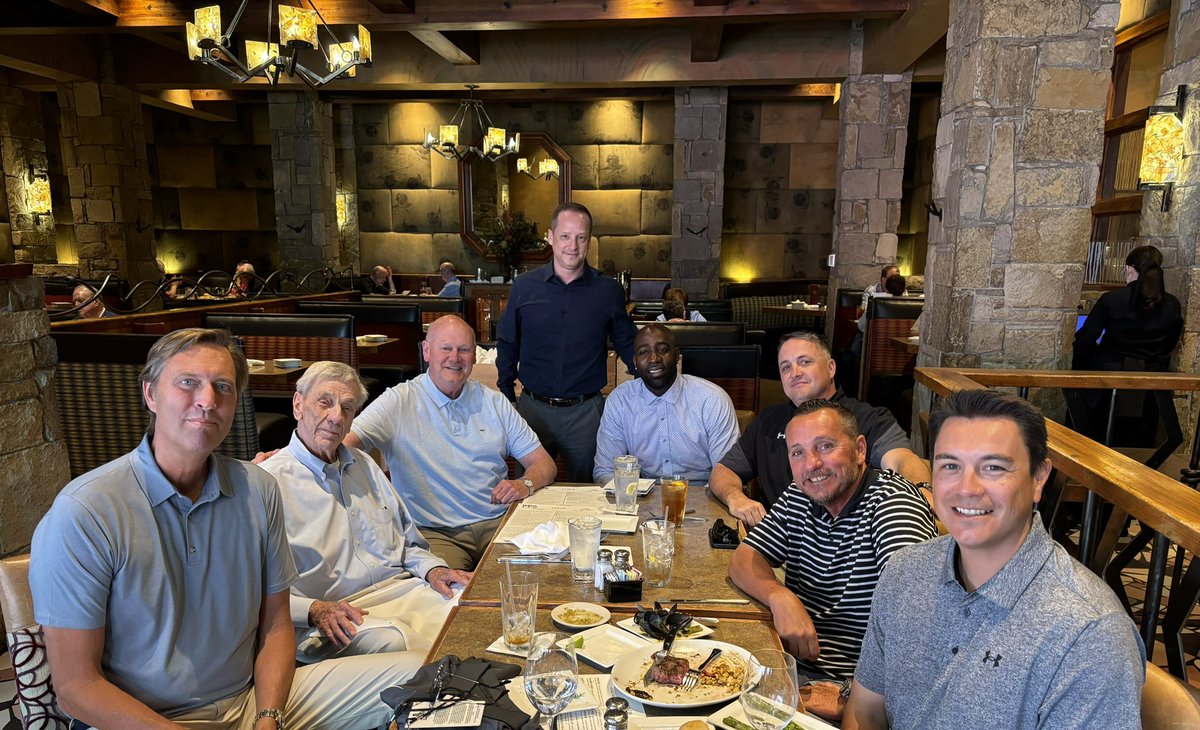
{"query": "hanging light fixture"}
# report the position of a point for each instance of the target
(494, 144)
(547, 168)
(297, 30)
(1162, 148)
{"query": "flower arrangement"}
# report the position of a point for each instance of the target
(510, 233)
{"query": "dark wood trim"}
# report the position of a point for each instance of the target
(706, 42)
(16, 271)
(466, 224)
(1126, 122)
(1123, 205)
(1143, 31)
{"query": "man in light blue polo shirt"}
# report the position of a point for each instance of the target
(674, 424)
(161, 578)
(445, 438)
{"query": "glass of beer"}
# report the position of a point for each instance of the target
(674, 498)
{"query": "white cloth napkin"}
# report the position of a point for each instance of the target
(548, 537)
(484, 356)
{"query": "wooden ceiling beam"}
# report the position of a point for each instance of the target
(100, 9)
(392, 7)
(706, 42)
(452, 15)
(180, 102)
(460, 48)
(892, 47)
(58, 58)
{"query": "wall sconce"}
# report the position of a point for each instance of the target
(547, 168)
(1162, 148)
(37, 194)
(339, 206)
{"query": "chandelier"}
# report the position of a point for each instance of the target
(209, 45)
(492, 146)
(547, 168)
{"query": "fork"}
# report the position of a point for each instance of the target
(692, 678)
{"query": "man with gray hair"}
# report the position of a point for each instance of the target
(161, 578)
(356, 549)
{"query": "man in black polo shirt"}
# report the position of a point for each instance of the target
(806, 370)
(554, 336)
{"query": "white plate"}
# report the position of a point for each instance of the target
(644, 486)
(806, 721)
(287, 362)
(559, 614)
(373, 338)
(627, 674)
(666, 722)
(630, 625)
(604, 644)
(252, 363)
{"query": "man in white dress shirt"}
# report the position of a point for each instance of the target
(356, 549)
(674, 424)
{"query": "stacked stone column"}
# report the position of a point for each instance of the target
(33, 457)
(302, 161)
(23, 160)
(1175, 230)
(104, 156)
(1018, 151)
(699, 189)
(873, 130)
(347, 186)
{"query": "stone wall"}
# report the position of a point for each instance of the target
(214, 200)
(699, 189)
(621, 169)
(873, 129)
(1019, 145)
(780, 175)
(33, 458)
(302, 162)
(22, 161)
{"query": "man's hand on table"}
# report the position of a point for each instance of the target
(443, 580)
(824, 699)
(336, 620)
(509, 491)
(794, 626)
(745, 509)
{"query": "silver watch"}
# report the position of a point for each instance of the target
(528, 485)
(274, 714)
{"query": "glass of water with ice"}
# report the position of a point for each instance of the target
(658, 548)
(626, 472)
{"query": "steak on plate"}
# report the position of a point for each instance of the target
(670, 670)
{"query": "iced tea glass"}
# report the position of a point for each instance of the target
(674, 499)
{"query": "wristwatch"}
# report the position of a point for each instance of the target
(528, 485)
(274, 714)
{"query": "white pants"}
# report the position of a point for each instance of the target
(403, 615)
(338, 694)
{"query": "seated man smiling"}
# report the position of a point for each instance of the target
(674, 424)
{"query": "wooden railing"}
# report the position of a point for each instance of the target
(169, 320)
(1166, 507)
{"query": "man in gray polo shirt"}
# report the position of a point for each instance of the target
(994, 625)
(161, 578)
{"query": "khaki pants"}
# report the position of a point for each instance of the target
(461, 547)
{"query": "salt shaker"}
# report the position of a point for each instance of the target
(604, 564)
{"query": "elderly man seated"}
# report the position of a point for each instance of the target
(95, 309)
(835, 527)
(674, 424)
(379, 282)
(453, 285)
(445, 438)
(355, 546)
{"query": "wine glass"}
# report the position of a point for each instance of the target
(770, 690)
(551, 675)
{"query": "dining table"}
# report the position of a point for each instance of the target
(269, 372)
(699, 575)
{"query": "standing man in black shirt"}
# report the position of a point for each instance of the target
(554, 336)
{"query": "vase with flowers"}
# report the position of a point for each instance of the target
(510, 234)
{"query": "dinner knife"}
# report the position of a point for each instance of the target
(724, 601)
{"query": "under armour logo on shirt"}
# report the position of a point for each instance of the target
(995, 660)
(779, 435)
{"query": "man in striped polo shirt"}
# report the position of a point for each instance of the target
(835, 527)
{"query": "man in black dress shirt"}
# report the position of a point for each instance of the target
(554, 336)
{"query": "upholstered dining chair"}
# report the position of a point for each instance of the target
(1168, 703)
(27, 647)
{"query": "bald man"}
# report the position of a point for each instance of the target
(445, 438)
(95, 309)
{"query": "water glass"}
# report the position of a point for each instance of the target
(584, 533)
(551, 674)
(518, 608)
(770, 690)
(674, 498)
(626, 473)
(658, 548)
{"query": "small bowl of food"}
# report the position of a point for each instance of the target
(578, 615)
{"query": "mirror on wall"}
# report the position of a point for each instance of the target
(486, 189)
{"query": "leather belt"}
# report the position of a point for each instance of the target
(562, 402)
